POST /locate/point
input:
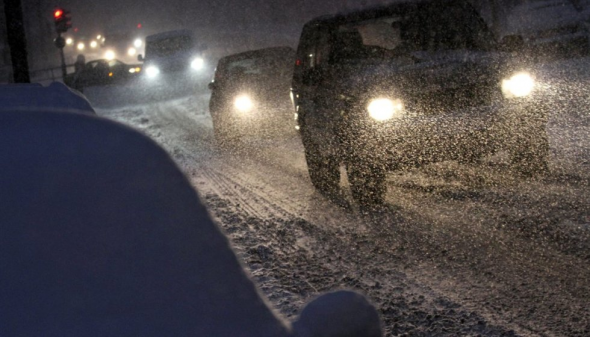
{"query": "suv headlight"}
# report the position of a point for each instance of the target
(152, 71)
(382, 109)
(243, 103)
(519, 85)
(198, 63)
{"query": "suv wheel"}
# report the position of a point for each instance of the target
(324, 171)
(530, 147)
(530, 155)
(367, 183)
(224, 138)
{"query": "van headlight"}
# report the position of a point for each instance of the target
(243, 103)
(152, 71)
(198, 63)
(382, 109)
(519, 85)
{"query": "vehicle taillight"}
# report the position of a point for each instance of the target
(298, 62)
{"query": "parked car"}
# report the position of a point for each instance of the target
(104, 72)
(408, 84)
(250, 93)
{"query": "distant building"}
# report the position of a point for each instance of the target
(40, 34)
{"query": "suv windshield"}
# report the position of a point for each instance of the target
(169, 46)
(399, 35)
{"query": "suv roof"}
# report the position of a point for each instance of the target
(169, 34)
(399, 7)
(370, 12)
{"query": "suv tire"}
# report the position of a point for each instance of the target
(367, 183)
(224, 138)
(530, 148)
(530, 154)
(324, 171)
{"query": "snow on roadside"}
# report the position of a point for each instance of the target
(416, 265)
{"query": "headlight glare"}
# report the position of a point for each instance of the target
(197, 64)
(109, 55)
(519, 85)
(382, 109)
(243, 103)
(152, 71)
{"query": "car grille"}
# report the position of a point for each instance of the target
(453, 100)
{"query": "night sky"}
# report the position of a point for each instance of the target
(204, 16)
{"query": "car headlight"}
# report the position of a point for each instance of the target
(198, 63)
(519, 85)
(382, 109)
(152, 71)
(243, 103)
(109, 55)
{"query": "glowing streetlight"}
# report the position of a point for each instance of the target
(81, 46)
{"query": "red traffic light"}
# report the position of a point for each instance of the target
(58, 14)
(63, 20)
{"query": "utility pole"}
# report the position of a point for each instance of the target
(17, 40)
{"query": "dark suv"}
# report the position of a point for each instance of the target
(409, 84)
(250, 94)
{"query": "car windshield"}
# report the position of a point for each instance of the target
(432, 156)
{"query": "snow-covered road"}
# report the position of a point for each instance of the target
(463, 250)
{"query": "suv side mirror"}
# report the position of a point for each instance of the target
(511, 43)
(140, 58)
(212, 85)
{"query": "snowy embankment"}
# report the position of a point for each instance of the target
(464, 250)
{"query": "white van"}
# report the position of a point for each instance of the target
(172, 53)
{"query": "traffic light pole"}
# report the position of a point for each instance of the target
(60, 43)
(64, 71)
(17, 40)
(62, 24)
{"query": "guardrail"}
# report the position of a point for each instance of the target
(49, 75)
